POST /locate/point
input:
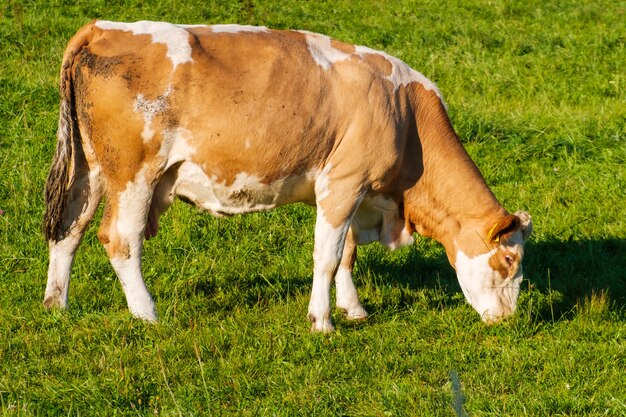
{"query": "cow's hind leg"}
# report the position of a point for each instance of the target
(122, 233)
(162, 198)
(347, 298)
(84, 195)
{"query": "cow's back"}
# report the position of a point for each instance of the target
(236, 100)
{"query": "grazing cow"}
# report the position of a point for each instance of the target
(236, 119)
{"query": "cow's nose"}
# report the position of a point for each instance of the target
(491, 317)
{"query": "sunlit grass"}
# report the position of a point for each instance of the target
(536, 93)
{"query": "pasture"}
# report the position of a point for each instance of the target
(537, 93)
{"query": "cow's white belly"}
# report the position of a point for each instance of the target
(247, 193)
(377, 219)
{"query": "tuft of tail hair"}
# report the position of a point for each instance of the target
(63, 168)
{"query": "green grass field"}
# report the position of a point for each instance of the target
(537, 92)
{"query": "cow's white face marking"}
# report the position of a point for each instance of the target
(174, 37)
(238, 28)
(321, 50)
(491, 295)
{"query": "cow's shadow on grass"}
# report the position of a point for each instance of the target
(569, 273)
(579, 270)
(560, 276)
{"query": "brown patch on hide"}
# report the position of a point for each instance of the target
(343, 47)
(379, 63)
(504, 262)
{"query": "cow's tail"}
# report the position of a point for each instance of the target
(68, 147)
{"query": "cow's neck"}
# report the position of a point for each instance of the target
(451, 196)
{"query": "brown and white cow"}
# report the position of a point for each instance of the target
(237, 119)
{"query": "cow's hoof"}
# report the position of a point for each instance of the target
(147, 316)
(150, 319)
(357, 313)
(53, 302)
(320, 326)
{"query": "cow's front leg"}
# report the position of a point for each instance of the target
(122, 233)
(329, 241)
(347, 298)
(334, 214)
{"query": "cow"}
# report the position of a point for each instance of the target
(236, 119)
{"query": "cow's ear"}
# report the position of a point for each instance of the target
(526, 223)
(504, 228)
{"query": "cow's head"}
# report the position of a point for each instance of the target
(489, 265)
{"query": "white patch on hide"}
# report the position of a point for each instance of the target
(232, 28)
(174, 37)
(247, 193)
(322, 183)
(149, 109)
(401, 73)
(321, 50)
(132, 213)
(176, 146)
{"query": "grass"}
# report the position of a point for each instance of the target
(537, 92)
